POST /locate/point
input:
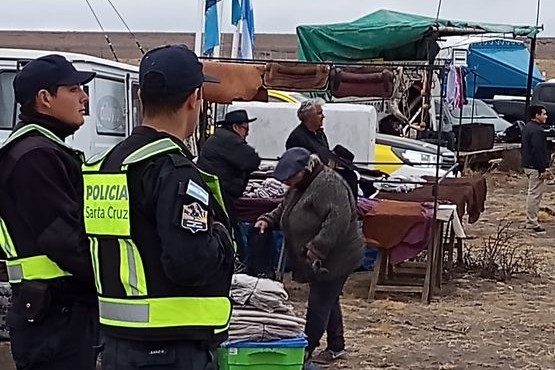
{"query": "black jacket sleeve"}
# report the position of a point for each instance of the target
(243, 157)
(194, 246)
(540, 155)
(51, 207)
(296, 140)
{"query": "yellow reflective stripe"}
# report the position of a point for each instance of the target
(106, 204)
(34, 268)
(32, 127)
(151, 149)
(221, 330)
(166, 312)
(213, 183)
(132, 273)
(95, 162)
(95, 263)
(6, 242)
(124, 267)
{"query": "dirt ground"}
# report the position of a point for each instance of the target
(474, 323)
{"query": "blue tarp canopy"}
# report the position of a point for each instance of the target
(502, 67)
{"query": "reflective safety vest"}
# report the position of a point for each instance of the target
(37, 267)
(107, 222)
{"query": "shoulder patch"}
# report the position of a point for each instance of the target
(196, 191)
(194, 218)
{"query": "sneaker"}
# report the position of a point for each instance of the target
(309, 365)
(328, 356)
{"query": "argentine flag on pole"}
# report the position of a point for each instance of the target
(235, 12)
(211, 27)
(247, 36)
(242, 11)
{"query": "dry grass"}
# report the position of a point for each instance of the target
(477, 323)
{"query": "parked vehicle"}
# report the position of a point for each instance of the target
(403, 156)
(113, 108)
(512, 108)
(483, 114)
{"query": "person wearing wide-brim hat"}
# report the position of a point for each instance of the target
(238, 117)
(227, 155)
(342, 161)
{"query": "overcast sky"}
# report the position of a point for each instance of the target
(274, 16)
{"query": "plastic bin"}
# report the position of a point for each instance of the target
(285, 354)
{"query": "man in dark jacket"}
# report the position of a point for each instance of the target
(535, 161)
(228, 156)
(310, 133)
(53, 316)
(176, 262)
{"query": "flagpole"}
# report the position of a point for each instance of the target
(236, 40)
(198, 33)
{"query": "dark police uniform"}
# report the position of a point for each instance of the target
(53, 317)
(162, 255)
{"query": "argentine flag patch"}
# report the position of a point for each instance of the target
(196, 191)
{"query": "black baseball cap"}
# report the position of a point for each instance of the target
(47, 72)
(171, 69)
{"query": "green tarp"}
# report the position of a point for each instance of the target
(387, 35)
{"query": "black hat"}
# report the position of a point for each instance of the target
(171, 69)
(236, 116)
(293, 161)
(47, 72)
(343, 156)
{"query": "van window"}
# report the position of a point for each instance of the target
(547, 94)
(107, 104)
(7, 99)
(136, 107)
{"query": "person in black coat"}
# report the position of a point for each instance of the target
(310, 133)
(227, 155)
(342, 162)
(535, 162)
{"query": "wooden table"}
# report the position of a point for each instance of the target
(424, 278)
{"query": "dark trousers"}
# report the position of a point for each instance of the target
(119, 354)
(324, 314)
(66, 338)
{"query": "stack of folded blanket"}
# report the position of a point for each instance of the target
(261, 311)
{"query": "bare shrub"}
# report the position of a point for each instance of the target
(501, 256)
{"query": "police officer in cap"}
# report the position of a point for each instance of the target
(162, 251)
(53, 316)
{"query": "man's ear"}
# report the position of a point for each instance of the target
(43, 98)
(193, 99)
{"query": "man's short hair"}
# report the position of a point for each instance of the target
(534, 110)
(30, 106)
(162, 104)
(307, 106)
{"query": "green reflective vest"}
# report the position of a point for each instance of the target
(38, 267)
(107, 220)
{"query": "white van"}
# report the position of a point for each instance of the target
(113, 109)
